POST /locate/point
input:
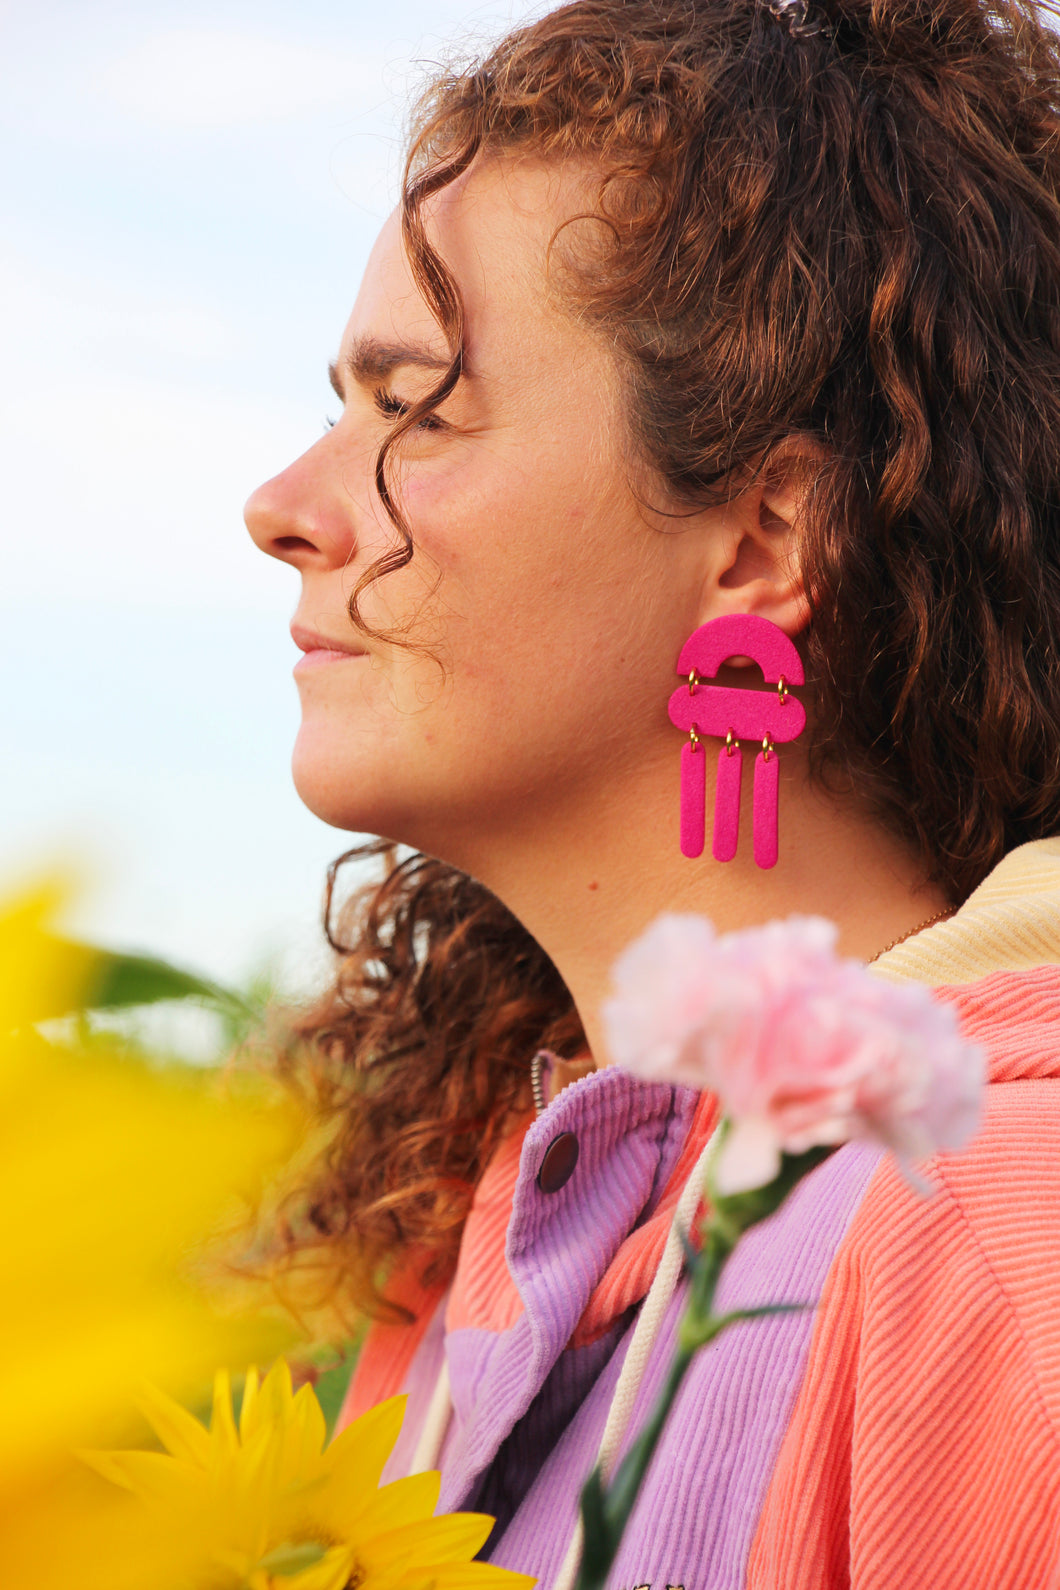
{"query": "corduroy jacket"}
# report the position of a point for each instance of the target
(902, 1430)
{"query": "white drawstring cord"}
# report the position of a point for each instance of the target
(429, 1446)
(645, 1334)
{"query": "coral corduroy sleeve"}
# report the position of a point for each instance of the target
(924, 1446)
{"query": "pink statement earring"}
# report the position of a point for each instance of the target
(733, 715)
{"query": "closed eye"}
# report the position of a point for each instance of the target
(396, 408)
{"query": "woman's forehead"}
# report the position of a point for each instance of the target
(494, 228)
(389, 305)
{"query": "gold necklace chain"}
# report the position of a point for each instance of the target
(941, 916)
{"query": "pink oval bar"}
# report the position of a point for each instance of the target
(742, 635)
(750, 714)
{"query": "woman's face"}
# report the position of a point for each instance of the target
(551, 604)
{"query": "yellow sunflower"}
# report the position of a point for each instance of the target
(267, 1505)
(116, 1174)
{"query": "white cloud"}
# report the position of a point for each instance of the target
(203, 78)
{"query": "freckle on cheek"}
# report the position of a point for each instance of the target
(594, 884)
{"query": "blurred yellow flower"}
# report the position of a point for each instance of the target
(266, 1505)
(114, 1174)
(39, 977)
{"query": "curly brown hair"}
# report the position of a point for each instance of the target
(850, 238)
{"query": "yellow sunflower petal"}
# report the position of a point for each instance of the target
(277, 1392)
(249, 1482)
(113, 1467)
(273, 1403)
(356, 1456)
(224, 1437)
(310, 1422)
(179, 1431)
(296, 1425)
(429, 1542)
(247, 1421)
(151, 1476)
(344, 1508)
(479, 1576)
(39, 976)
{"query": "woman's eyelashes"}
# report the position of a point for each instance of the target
(396, 408)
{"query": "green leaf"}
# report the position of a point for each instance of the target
(695, 1333)
(738, 1211)
(117, 981)
(600, 1541)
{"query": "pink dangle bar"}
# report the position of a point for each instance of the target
(693, 798)
(766, 795)
(727, 802)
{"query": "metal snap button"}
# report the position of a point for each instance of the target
(557, 1167)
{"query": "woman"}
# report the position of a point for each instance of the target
(694, 310)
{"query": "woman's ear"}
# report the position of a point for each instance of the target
(759, 564)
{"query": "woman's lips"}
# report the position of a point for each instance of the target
(320, 650)
(321, 656)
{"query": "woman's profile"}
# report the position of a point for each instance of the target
(697, 313)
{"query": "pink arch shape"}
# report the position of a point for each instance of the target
(742, 635)
(717, 710)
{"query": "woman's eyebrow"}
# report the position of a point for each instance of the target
(370, 360)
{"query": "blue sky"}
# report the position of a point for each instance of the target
(188, 196)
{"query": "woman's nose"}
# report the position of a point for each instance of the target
(304, 516)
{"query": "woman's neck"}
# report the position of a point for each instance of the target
(585, 883)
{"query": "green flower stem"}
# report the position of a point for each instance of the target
(606, 1510)
(699, 1324)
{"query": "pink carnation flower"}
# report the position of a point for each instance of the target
(802, 1048)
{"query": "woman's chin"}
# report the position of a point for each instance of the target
(330, 792)
(352, 795)
(367, 786)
